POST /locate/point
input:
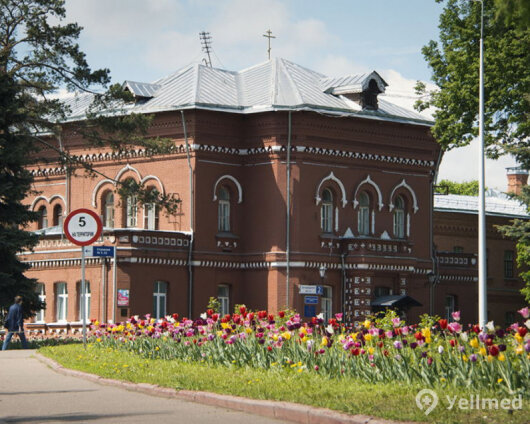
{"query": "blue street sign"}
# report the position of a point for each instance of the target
(311, 300)
(320, 290)
(103, 251)
(310, 311)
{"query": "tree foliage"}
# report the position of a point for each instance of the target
(466, 188)
(454, 61)
(520, 230)
(38, 55)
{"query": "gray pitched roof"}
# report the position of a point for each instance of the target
(277, 84)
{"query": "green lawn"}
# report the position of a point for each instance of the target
(391, 401)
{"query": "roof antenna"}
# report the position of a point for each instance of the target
(206, 42)
(268, 34)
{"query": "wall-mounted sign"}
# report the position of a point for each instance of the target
(101, 251)
(311, 289)
(311, 300)
(123, 297)
(310, 311)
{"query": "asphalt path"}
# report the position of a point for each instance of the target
(31, 392)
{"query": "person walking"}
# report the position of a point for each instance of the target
(15, 324)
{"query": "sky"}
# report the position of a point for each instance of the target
(143, 40)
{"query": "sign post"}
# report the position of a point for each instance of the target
(83, 227)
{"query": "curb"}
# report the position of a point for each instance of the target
(286, 411)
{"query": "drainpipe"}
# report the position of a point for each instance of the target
(288, 211)
(434, 261)
(343, 283)
(114, 279)
(190, 250)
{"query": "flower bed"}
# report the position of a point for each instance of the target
(433, 352)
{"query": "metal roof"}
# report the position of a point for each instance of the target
(276, 84)
(497, 203)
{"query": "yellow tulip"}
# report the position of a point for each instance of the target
(286, 335)
(367, 323)
(474, 343)
(324, 341)
(519, 350)
(367, 337)
(502, 357)
(371, 350)
(482, 351)
(518, 337)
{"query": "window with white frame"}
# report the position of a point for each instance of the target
(159, 299)
(87, 300)
(43, 217)
(150, 216)
(223, 296)
(108, 210)
(223, 210)
(326, 211)
(61, 299)
(363, 217)
(450, 306)
(399, 217)
(57, 216)
(39, 317)
(132, 211)
(327, 303)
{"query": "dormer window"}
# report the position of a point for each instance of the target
(369, 96)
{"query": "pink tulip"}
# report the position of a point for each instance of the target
(456, 315)
(525, 312)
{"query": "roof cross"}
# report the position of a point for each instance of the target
(268, 34)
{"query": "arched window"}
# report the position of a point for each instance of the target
(43, 218)
(363, 217)
(399, 217)
(223, 223)
(326, 211)
(132, 211)
(151, 215)
(57, 216)
(159, 299)
(108, 210)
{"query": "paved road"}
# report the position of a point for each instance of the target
(30, 392)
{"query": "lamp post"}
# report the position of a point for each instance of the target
(322, 272)
(482, 283)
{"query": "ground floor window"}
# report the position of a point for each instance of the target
(223, 295)
(87, 301)
(61, 299)
(327, 303)
(159, 299)
(39, 317)
(450, 306)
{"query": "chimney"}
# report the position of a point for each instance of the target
(517, 178)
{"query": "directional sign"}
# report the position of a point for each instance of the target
(82, 227)
(101, 251)
(306, 289)
(311, 300)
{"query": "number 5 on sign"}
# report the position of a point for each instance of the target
(82, 227)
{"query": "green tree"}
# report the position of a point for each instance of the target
(520, 231)
(516, 11)
(454, 61)
(466, 188)
(37, 58)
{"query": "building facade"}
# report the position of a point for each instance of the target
(286, 179)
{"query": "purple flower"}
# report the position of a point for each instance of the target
(527, 347)
(413, 345)
(461, 349)
(502, 347)
(473, 358)
(423, 354)
(398, 344)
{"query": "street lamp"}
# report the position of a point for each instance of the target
(322, 272)
(482, 284)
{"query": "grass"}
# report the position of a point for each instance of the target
(353, 396)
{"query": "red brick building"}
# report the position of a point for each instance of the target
(286, 177)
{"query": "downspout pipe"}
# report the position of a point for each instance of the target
(434, 260)
(192, 222)
(288, 212)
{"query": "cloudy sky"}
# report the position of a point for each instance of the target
(143, 40)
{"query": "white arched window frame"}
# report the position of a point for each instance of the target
(131, 205)
(159, 299)
(326, 211)
(108, 210)
(399, 218)
(223, 210)
(43, 217)
(57, 216)
(363, 214)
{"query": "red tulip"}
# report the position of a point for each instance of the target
(443, 324)
(269, 348)
(243, 310)
(281, 314)
(453, 342)
(522, 331)
(493, 350)
(209, 312)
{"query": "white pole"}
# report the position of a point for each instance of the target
(83, 296)
(482, 283)
(114, 282)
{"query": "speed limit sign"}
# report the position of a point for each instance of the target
(82, 227)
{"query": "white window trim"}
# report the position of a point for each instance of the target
(63, 296)
(159, 297)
